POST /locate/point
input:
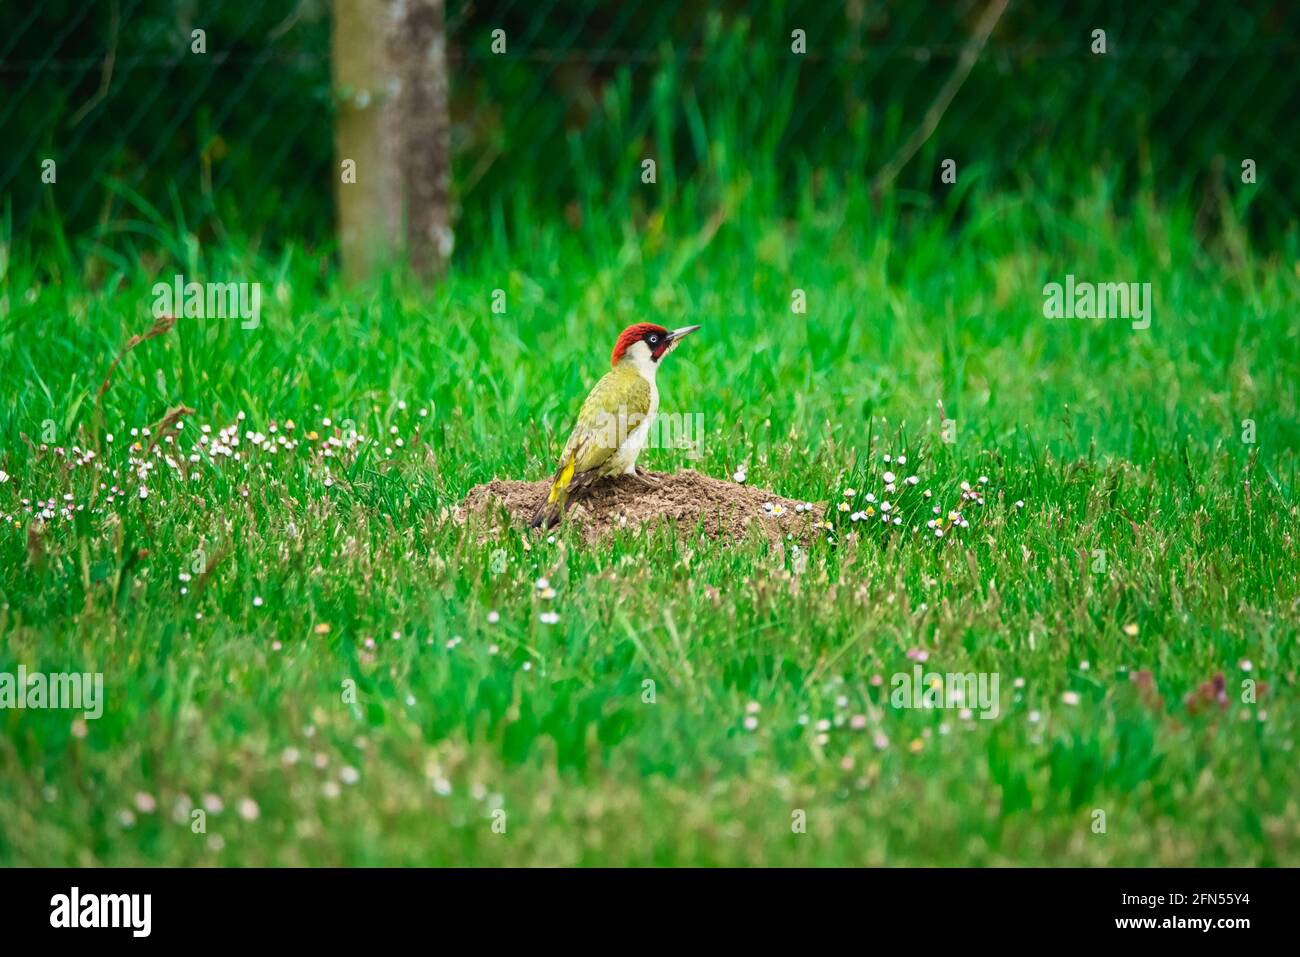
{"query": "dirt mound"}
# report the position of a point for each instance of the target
(723, 509)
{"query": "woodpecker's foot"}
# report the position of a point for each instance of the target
(643, 478)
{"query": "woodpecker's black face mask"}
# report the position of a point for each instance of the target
(661, 344)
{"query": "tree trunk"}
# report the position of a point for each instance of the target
(426, 146)
(393, 122)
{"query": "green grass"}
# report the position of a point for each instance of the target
(1123, 441)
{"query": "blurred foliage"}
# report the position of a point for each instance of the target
(237, 142)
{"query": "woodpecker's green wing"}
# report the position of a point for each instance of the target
(617, 403)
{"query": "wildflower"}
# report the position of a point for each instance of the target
(549, 618)
(849, 492)
(1071, 698)
(844, 506)
(888, 477)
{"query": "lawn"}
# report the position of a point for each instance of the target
(307, 662)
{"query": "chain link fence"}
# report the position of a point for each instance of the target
(130, 119)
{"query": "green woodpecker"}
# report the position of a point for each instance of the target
(615, 420)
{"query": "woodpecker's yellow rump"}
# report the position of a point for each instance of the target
(615, 419)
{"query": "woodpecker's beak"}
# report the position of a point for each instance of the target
(681, 333)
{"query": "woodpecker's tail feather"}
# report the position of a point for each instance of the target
(567, 487)
(553, 508)
(548, 514)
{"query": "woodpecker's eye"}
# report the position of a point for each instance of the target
(653, 340)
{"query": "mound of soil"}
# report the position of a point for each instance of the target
(723, 509)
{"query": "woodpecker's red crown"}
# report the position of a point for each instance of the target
(656, 337)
